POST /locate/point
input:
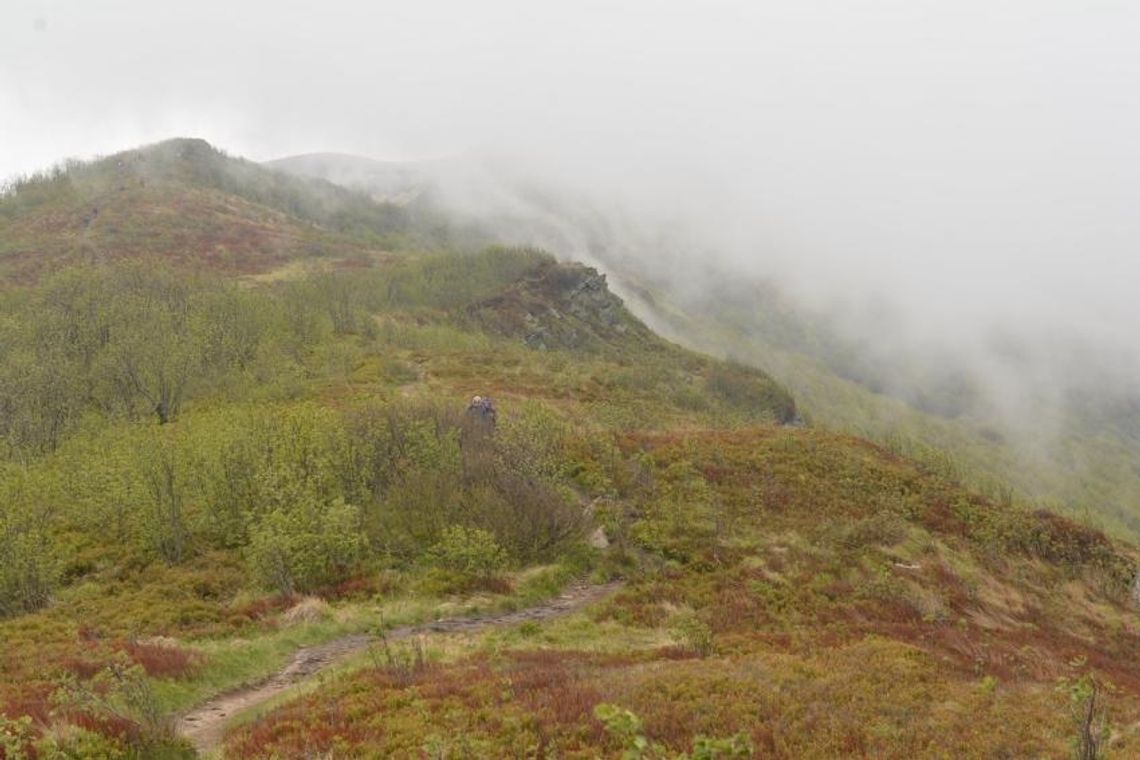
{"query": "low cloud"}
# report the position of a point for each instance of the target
(948, 178)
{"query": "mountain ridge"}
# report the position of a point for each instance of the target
(1073, 448)
(310, 471)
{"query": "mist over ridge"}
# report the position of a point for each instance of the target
(952, 187)
(1024, 357)
(659, 378)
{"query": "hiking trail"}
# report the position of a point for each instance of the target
(205, 724)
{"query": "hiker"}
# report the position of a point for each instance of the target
(482, 408)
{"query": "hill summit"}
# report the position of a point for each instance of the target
(185, 200)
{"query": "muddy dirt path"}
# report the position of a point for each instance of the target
(205, 724)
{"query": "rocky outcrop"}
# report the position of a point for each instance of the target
(562, 306)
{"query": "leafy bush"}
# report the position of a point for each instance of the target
(627, 728)
(28, 567)
(119, 695)
(16, 737)
(681, 517)
(68, 742)
(299, 548)
(1089, 715)
(470, 552)
(744, 387)
(693, 633)
(27, 570)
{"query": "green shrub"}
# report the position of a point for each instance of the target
(750, 389)
(28, 567)
(681, 515)
(627, 728)
(67, 742)
(27, 571)
(120, 693)
(16, 736)
(470, 552)
(693, 633)
(300, 548)
(738, 745)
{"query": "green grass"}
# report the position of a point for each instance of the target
(230, 663)
(1083, 467)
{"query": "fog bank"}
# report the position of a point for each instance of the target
(956, 175)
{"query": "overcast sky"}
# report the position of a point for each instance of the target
(976, 159)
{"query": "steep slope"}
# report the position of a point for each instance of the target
(1077, 453)
(1072, 443)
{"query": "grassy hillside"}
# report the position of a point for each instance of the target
(183, 200)
(799, 593)
(1073, 441)
(208, 463)
(1078, 455)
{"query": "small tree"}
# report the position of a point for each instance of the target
(121, 692)
(164, 476)
(1088, 713)
(28, 567)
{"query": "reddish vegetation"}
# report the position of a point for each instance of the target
(158, 659)
(83, 667)
(33, 700)
(539, 699)
(162, 660)
(265, 606)
(357, 587)
(548, 686)
(183, 224)
(107, 725)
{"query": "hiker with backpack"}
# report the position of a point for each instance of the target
(483, 409)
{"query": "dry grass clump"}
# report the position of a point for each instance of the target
(309, 610)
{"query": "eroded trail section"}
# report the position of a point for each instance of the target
(205, 724)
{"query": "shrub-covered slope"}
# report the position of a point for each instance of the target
(808, 594)
(1077, 453)
(1068, 436)
(190, 450)
(184, 200)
